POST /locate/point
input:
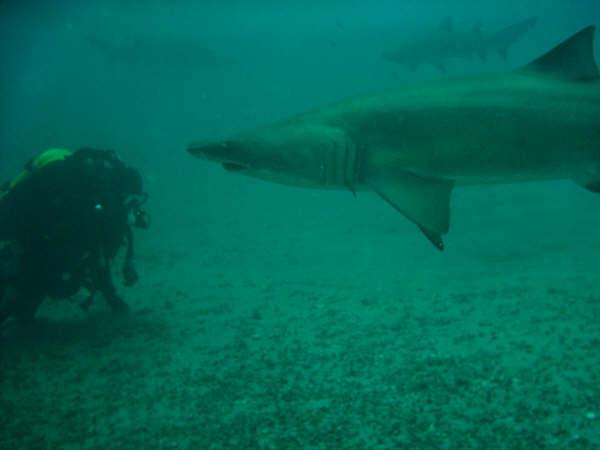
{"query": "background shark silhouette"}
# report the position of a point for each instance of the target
(445, 43)
(167, 52)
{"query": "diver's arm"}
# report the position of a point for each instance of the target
(129, 236)
(130, 275)
(106, 286)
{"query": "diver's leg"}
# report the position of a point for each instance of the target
(107, 287)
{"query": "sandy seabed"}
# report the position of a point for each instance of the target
(290, 330)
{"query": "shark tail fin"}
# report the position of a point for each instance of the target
(573, 59)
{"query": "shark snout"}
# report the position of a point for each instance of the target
(221, 152)
(210, 150)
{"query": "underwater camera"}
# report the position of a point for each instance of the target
(141, 219)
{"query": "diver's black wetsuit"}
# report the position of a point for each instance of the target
(69, 219)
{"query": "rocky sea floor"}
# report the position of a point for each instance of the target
(324, 337)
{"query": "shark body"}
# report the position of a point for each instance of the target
(413, 145)
(446, 43)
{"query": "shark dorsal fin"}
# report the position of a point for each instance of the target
(573, 59)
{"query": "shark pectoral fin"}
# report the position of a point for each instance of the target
(424, 201)
(434, 238)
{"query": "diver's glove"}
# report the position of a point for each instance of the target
(130, 275)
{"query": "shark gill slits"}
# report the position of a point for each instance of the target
(333, 178)
(346, 173)
(351, 165)
(358, 164)
(341, 168)
(338, 175)
(330, 175)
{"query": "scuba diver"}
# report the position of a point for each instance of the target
(63, 220)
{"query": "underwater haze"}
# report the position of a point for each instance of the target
(275, 317)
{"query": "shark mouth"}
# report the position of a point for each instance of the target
(233, 167)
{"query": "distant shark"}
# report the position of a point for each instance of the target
(166, 52)
(413, 145)
(446, 43)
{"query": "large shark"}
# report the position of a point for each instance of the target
(413, 145)
(446, 43)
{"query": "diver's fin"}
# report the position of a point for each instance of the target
(424, 201)
(573, 59)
